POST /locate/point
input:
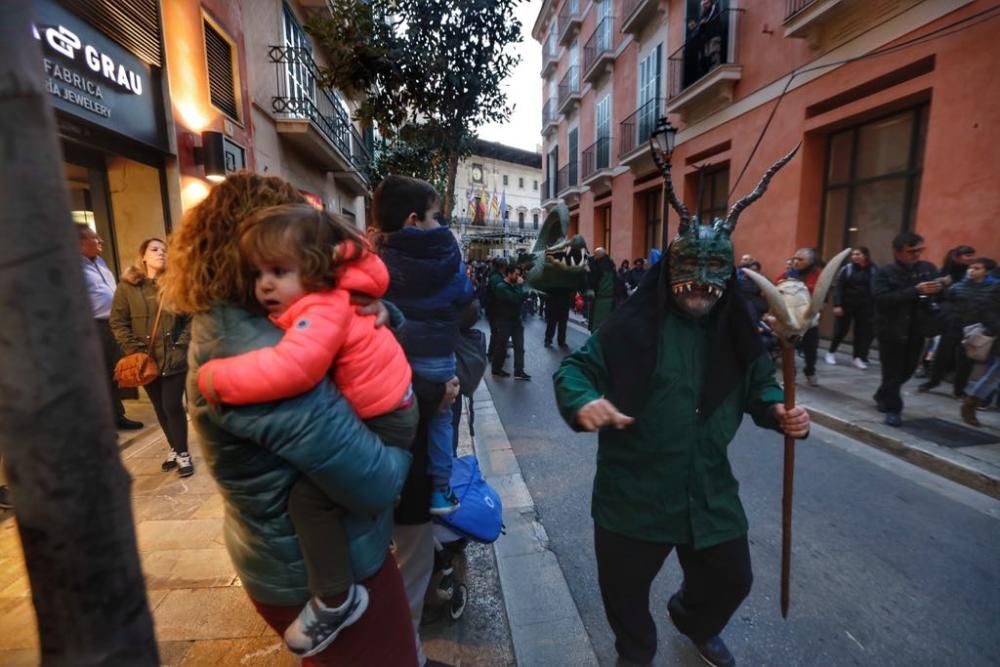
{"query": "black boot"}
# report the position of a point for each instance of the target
(714, 652)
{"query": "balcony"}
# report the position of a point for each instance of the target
(569, 22)
(637, 14)
(596, 172)
(550, 186)
(550, 56)
(813, 20)
(633, 136)
(568, 184)
(599, 51)
(477, 228)
(550, 116)
(569, 91)
(703, 72)
(311, 118)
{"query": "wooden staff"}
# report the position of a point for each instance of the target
(788, 372)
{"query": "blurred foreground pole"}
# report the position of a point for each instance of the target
(57, 439)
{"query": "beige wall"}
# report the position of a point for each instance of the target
(136, 206)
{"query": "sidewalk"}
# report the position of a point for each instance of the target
(201, 613)
(933, 435)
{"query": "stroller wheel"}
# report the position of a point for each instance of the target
(457, 607)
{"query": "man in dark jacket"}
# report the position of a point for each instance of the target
(509, 295)
(903, 318)
(489, 299)
(557, 304)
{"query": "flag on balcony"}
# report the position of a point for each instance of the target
(495, 206)
(503, 210)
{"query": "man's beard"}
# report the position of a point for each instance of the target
(695, 302)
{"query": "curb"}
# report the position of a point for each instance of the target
(921, 453)
(545, 624)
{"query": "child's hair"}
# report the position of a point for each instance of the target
(988, 263)
(396, 197)
(304, 234)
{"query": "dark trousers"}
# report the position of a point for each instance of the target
(317, 519)
(716, 581)
(166, 393)
(862, 320)
(508, 328)
(111, 352)
(809, 344)
(556, 317)
(898, 359)
(950, 355)
(494, 334)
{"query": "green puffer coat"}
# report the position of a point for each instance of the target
(256, 452)
(133, 312)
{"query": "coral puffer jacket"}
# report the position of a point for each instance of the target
(323, 334)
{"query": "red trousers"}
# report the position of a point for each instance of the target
(382, 637)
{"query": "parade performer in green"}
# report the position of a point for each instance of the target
(666, 380)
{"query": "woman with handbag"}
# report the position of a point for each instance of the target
(154, 342)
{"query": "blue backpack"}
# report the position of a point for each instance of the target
(480, 517)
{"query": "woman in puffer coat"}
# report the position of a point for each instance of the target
(133, 313)
(257, 452)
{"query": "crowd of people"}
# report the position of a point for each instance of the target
(319, 369)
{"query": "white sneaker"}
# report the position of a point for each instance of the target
(830, 359)
(318, 625)
(857, 363)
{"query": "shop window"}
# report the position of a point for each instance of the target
(220, 56)
(714, 189)
(872, 182)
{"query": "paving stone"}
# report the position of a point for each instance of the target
(512, 490)
(207, 613)
(175, 506)
(17, 618)
(180, 534)
(560, 642)
(535, 590)
(498, 462)
(19, 588)
(525, 535)
(11, 569)
(259, 652)
(20, 658)
(172, 653)
(212, 508)
(188, 568)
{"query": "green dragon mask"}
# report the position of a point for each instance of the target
(557, 262)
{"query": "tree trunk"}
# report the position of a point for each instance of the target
(449, 193)
(57, 439)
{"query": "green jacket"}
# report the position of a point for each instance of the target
(256, 453)
(133, 311)
(667, 477)
(509, 298)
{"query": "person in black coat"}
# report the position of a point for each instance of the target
(904, 315)
(853, 303)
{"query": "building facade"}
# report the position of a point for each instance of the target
(889, 101)
(155, 101)
(497, 209)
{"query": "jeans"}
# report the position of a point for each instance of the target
(899, 358)
(988, 381)
(166, 393)
(439, 428)
(862, 319)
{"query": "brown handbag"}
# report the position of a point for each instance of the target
(139, 368)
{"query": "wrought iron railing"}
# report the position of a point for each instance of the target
(710, 44)
(299, 96)
(550, 112)
(603, 40)
(492, 225)
(596, 157)
(636, 129)
(570, 13)
(570, 84)
(793, 7)
(629, 8)
(568, 177)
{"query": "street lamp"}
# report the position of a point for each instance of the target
(661, 145)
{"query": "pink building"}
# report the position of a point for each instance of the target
(894, 103)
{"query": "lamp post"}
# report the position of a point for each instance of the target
(661, 144)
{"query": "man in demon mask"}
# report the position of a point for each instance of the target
(666, 380)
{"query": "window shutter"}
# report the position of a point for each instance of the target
(134, 24)
(221, 86)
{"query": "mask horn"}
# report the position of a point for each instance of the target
(668, 182)
(776, 304)
(734, 212)
(824, 282)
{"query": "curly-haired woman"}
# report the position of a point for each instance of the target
(257, 452)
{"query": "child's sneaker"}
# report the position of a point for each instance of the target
(443, 501)
(318, 625)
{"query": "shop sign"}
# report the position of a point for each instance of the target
(90, 76)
